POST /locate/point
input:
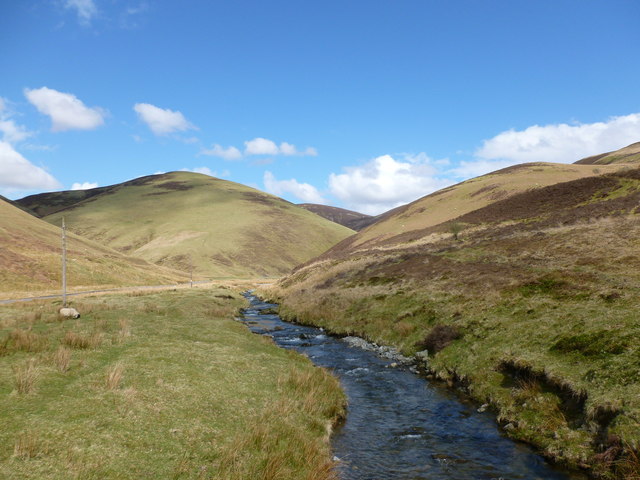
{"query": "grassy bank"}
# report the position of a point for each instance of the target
(157, 385)
(540, 322)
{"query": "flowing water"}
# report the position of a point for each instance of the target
(399, 425)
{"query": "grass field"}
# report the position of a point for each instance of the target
(158, 385)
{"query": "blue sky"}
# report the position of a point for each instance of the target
(360, 104)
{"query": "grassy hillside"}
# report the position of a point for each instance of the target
(180, 219)
(449, 203)
(30, 259)
(529, 304)
(164, 385)
(627, 155)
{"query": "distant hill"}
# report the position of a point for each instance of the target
(30, 259)
(520, 287)
(626, 155)
(183, 219)
(350, 219)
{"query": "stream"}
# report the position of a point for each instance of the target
(399, 425)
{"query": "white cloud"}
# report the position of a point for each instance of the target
(17, 173)
(303, 191)
(86, 10)
(261, 146)
(11, 132)
(264, 146)
(208, 171)
(561, 143)
(66, 111)
(162, 121)
(385, 183)
(229, 153)
(84, 185)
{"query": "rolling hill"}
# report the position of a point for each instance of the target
(30, 259)
(519, 287)
(184, 220)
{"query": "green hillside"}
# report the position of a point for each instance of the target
(180, 219)
(528, 303)
(30, 259)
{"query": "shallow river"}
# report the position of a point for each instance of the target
(399, 425)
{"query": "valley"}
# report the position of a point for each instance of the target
(517, 288)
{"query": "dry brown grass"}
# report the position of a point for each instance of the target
(62, 359)
(25, 376)
(26, 341)
(125, 330)
(113, 377)
(27, 445)
(81, 341)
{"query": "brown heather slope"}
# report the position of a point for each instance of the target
(30, 260)
(532, 309)
(187, 220)
(350, 219)
(449, 203)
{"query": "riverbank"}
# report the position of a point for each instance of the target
(554, 375)
(157, 385)
(399, 424)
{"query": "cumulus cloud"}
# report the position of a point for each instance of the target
(11, 132)
(264, 146)
(261, 146)
(229, 153)
(162, 121)
(85, 9)
(66, 111)
(303, 191)
(385, 183)
(84, 185)
(17, 173)
(561, 143)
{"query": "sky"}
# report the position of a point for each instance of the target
(359, 104)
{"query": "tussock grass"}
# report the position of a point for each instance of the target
(191, 394)
(25, 376)
(25, 341)
(125, 329)
(62, 359)
(28, 445)
(113, 376)
(82, 341)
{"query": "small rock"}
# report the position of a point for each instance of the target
(483, 408)
(509, 426)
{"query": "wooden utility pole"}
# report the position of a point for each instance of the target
(64, 264)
